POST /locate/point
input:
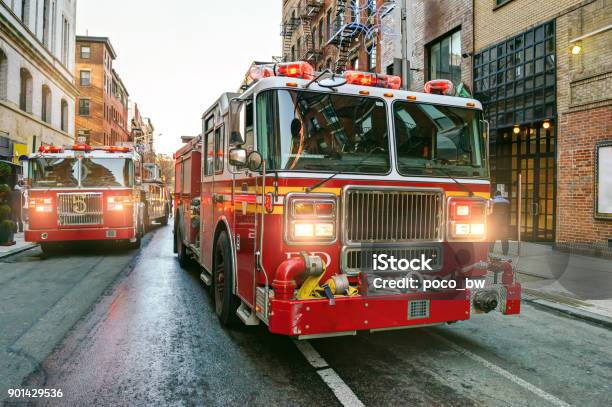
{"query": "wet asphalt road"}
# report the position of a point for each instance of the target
(146, 334)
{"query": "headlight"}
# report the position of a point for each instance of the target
(118, 203)
(467, 218)
(41, 205)
(310, 218)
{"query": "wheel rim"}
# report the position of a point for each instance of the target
(219, 281)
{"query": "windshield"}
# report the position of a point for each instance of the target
(439, 140)
(54, 172)
(312, 131)
(94, 172)
(106, 172)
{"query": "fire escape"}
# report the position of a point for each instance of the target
(288, 28)
(343, 37)
(300, 21)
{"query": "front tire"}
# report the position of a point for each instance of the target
(226, 303)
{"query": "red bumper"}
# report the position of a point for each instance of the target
(317, 316)
(62, 235)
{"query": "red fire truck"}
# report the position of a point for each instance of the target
(299, 186)
(84, 193)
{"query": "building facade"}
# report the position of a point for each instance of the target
(141, 130)
(366, 35)
(334, 34)
(544, 75)
(37, 89)
(102, 106)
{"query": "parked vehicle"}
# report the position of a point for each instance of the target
(84, 193)
(155, 196)
(297, 184)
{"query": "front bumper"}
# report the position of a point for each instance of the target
(349, 314)
(62, 235)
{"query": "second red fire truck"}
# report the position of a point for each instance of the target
(300, 186)
(84, 193)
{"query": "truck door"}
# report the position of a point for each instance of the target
(245, 198)
(207, 202)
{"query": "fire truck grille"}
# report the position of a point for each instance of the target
(79, 209)
(360, 259)
(392, 215)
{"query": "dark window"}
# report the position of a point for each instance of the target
(64, 115)
(321, 29)
(372, 57)
(83, 107)
(219, 150)
(445, 58)
(85, 51)
(329, 24)
(85, 78)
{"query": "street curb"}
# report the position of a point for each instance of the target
(572, 311)
(18, 250)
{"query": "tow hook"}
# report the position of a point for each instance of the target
(486, 301)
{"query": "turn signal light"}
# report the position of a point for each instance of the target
(467, 218)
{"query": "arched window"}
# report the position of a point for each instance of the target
(3, 75)
(45, 113)
(25, 91)
(64, 118)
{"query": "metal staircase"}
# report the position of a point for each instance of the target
(308, 10)
(343, 37)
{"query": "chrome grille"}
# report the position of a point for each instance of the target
(392, 215)
(362, 258)
(79, 209)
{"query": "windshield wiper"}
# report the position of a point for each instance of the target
(449, 175)
(323, 181)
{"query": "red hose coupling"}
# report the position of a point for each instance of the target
(284, 283)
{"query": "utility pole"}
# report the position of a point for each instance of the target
(407, 41)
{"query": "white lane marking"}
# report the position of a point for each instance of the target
(515, 379)
(343, 393)
(311, 354)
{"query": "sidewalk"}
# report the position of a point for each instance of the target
(19, 246)
(570, 280)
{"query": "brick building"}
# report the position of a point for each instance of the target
(333, 33)
(102, 107)
(544, 75)
(37, 90)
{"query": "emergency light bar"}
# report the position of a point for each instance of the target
(50, 149)
(372, 79)
(300, 70)
(440, 87)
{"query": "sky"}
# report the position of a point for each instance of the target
(176, 57)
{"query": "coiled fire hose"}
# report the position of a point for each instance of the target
(336, 286)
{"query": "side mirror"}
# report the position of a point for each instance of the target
(254, 161)
(238, 157)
